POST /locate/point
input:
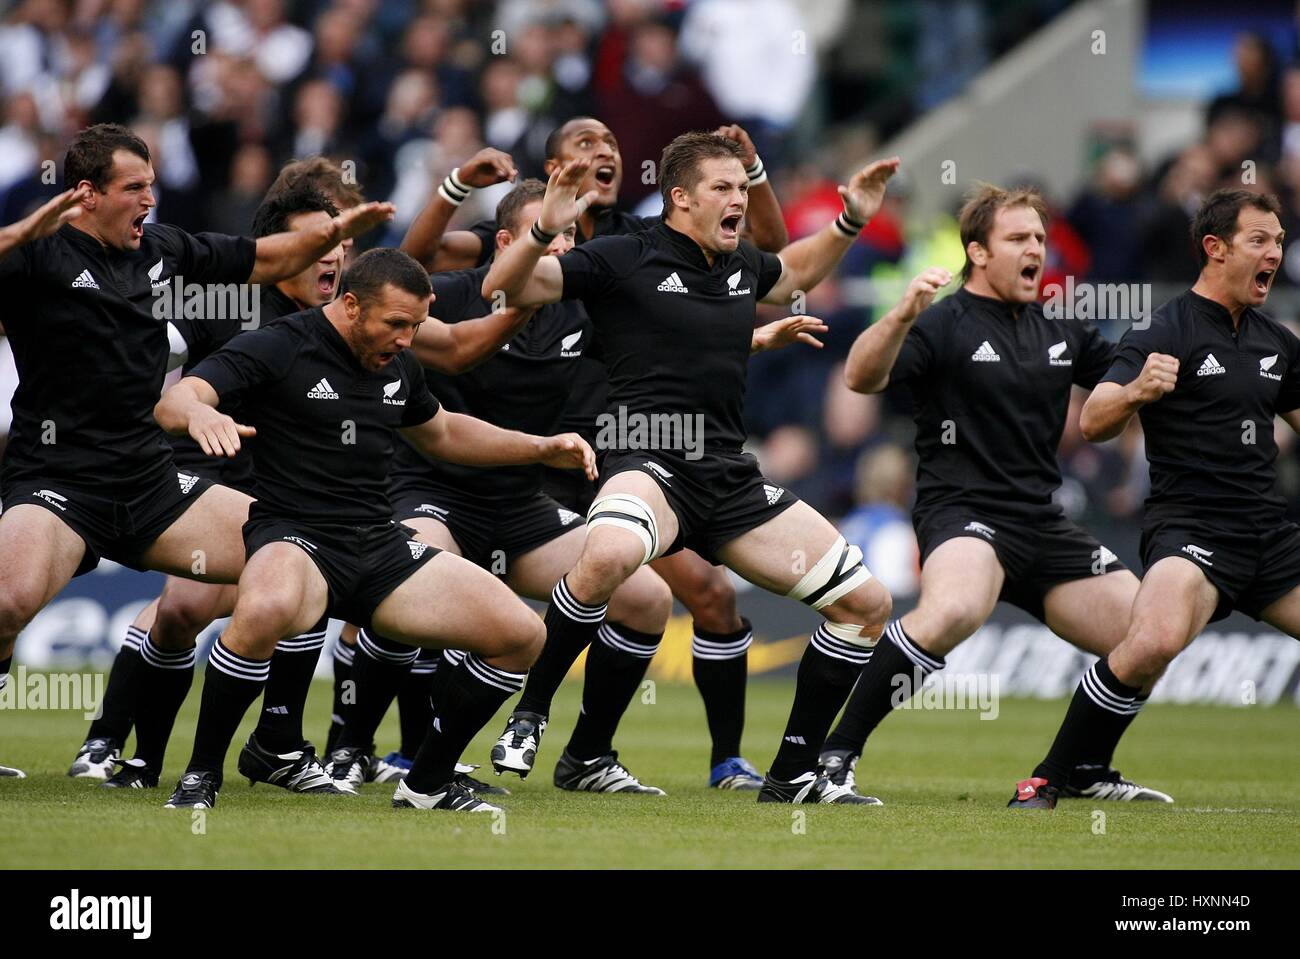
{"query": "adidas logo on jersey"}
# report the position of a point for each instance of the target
(417, 549)
(53, 498)
(773, 493)
(987, 532)
(733, 282)
(85, 280)
(672, 284)
(322, 391)
(1265, 365)
(1054, 355)
(1199, 554)
(567, 516)
(985, 354)
(187, 481)
(389, 392)
(1210, 367)
(566, 344)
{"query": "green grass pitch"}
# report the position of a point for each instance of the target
(945, 778)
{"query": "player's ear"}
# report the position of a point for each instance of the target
(978, 255)
(550, 166)
(504, 239)
(1214, 246)
(681, 199)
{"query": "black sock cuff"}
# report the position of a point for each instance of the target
(627, 640)
(501, 679)
(828, 644)
(426, 662)
(563, 601)
(134, 637)
(151, 655)
(302, 643)
(384, 650)
(721, 646)
(237, 667)
(926, 662)
(1106, 691)
(343, 653)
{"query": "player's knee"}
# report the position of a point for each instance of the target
(522, 641)
(712, 603)
(1152, 648)
(644, 602)
(948, 617)
(266, 613)
(179, 622)
(18, 606)
(607, 562)
(869, 605)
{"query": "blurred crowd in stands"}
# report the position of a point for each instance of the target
(401, 91)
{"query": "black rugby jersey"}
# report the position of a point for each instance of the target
(91, 348)
(1210, 441)
(675, 332)
(523, 386)
(991, 386)
(325, 426)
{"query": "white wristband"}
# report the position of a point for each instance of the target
(452, 190)
(756, 172)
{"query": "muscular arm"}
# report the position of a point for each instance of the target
(1292, 419)
(282, 255)
(43, 221)
(807, 262)
(190, 407)
(876, 349)
(427, 239)
(453, 348)
(458, 438)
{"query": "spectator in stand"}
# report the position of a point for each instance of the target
(1107, 214)
(1257, 92)
(1168, 255)
(880, 523)
(656, 98)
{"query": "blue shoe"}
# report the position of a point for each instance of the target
(735, 773)
(392, 768)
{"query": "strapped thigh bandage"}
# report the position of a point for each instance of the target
(630, 513)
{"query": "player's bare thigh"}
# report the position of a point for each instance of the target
(1093, 613)
(281, 593)
(206, 542)
(39, 554)
(960, 583)
(1173, 604)
(612, 553)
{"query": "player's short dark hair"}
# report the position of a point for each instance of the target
(1218, 216)
(91, 155)
(375, 269)
(513, 203)
(978, 213)
(679, 166)
(322, 174)
(277, 209)
(556, 136)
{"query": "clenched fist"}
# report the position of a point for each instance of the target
(1159, 376)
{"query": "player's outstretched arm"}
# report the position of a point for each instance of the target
(875, 350)
(45, 220)
(520, 272)
(792, 329)
(1110, 406)
(766, 224)
(427, 238)
(190, 407)
(282, 255)
(454, 348)
(458, 438)
(807, 262)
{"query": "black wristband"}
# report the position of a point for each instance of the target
(540, 235)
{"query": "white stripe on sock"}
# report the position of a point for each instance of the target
(491, 676)
(824, 642)
(232, 664)
(572, 608)
(713, 650)
(616, 640)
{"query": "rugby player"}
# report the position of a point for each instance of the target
(325, 390)
(720, 636)
(674, 309)
(991, 377)
(1206, 378)
(87, 473)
